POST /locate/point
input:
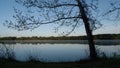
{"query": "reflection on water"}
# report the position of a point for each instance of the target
(57, 52)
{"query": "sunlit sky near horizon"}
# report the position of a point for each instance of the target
(6, 13)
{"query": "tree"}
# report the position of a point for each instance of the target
(70, 13)
(113, 13)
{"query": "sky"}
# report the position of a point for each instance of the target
(6, 13)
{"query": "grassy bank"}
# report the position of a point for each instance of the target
(101, 63)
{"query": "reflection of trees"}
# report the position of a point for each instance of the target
(6, 51)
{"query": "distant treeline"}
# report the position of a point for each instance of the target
(97, 37)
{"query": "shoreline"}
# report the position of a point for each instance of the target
(97, 42)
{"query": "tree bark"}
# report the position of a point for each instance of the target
(93, 54)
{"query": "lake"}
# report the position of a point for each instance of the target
(55, 52)
(98, 42)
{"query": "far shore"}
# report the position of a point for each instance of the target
(97, 42)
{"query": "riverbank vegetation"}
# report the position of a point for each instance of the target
(96, 37)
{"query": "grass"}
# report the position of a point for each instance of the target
(101, 63)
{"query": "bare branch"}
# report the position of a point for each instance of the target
(23, 25)
(52, 11)
(74, 26)
(112, 10)
(59, 20)
(43, 4)
(56, 6)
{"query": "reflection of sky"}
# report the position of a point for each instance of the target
(7, 12)
(51, 52)
(59, 52)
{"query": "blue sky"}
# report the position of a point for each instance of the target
(7, 12)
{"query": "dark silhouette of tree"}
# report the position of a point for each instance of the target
(69, 13)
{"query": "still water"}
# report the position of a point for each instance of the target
(56, 52)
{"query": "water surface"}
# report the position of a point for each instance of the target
(57, 52)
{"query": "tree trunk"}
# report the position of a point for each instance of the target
(93, 54)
